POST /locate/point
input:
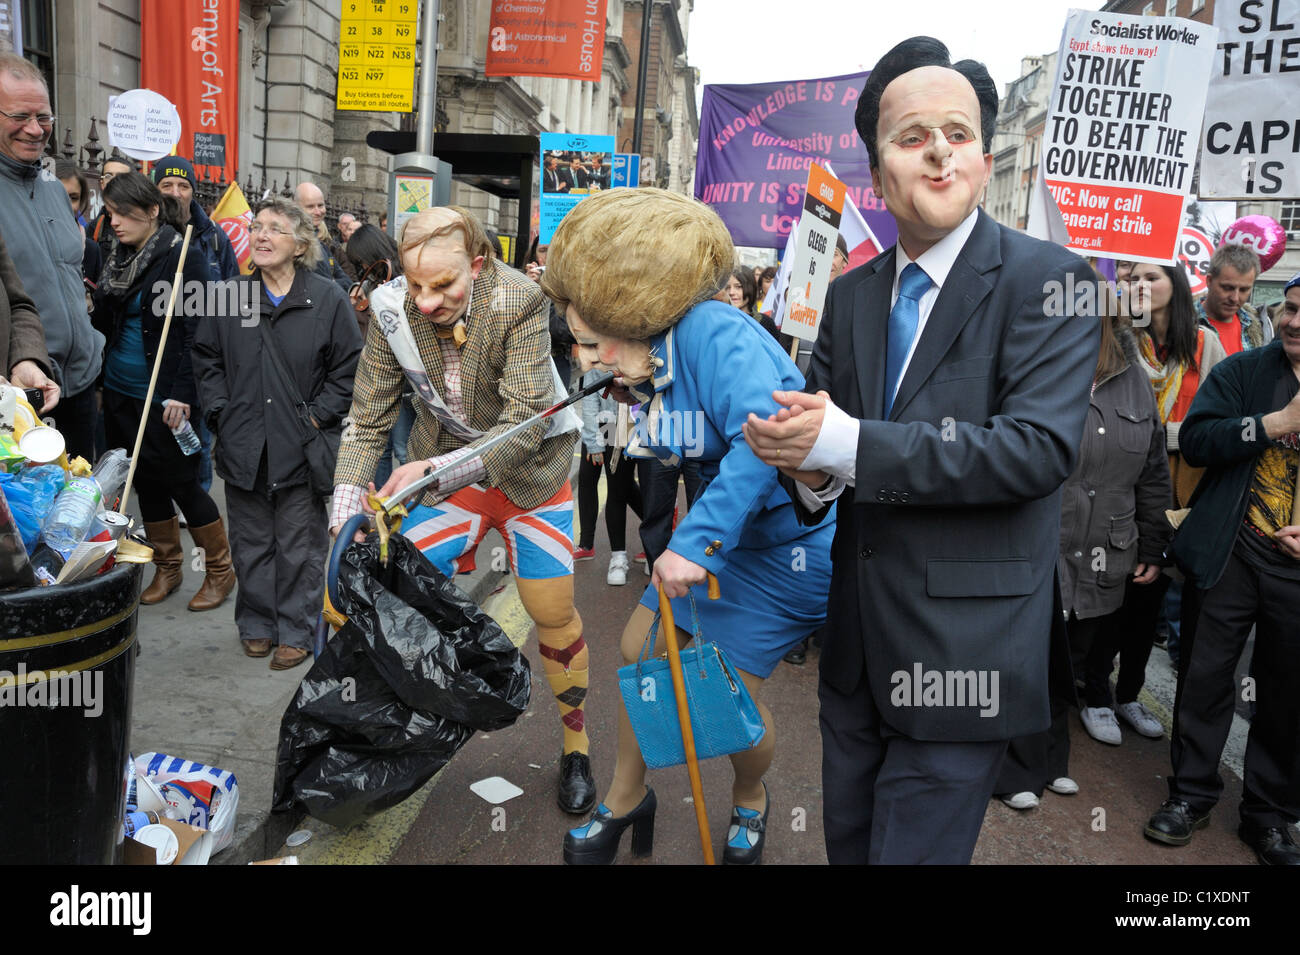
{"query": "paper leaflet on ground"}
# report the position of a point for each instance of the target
(388, 305)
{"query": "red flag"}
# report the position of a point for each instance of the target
(189, 52)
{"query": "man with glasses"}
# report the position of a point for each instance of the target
(101, 230)
(46, 247)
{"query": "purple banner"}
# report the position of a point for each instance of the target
(756, 143)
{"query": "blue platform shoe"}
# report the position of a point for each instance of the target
(747, 833)
(596, 843)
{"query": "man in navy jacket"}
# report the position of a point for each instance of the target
(1240, 549)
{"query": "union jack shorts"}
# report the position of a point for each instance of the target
(539, 541)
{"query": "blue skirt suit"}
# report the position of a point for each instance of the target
(718, 366)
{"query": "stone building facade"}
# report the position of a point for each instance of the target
(288, 68)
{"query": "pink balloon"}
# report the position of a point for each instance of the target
(1260, 233)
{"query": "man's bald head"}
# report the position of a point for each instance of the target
(312, 201)
(448, 228)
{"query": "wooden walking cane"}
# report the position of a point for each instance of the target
(684, 715)
(157, 363)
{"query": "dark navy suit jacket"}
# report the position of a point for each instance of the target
(945, 551)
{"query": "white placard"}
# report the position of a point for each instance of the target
(143, 124)
(1250, 147)
(1119, 144)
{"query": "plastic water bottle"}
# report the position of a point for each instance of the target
(110, 474)
(186, 438)
(66, 524)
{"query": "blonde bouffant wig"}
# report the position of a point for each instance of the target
(632, 262)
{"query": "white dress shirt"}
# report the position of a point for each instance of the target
(836, 448)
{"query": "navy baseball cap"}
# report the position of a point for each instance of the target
(177, 166)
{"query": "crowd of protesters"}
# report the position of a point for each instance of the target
(1176, 523)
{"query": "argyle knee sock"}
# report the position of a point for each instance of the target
(566, 671)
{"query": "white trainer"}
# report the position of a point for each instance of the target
(1100, 723)
(617, 575)
(1141, 719)
(1063, 786)
(1021, 801)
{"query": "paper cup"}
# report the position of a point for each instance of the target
(148, 797)
(41, 445)
(161, 839)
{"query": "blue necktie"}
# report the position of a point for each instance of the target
(903, 319)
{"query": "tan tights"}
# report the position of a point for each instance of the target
(628, 787)
(564, 653)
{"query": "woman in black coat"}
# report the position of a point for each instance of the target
(1113, 537)
(130, 307)
(278, 527)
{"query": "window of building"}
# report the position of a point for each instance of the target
(1149, 10)
(38, 39)
(1198, 6)
(1171, 8)
(1290, 217)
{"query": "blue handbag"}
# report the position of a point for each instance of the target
(724, 716)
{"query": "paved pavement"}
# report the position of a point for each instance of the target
(447, 823)
(199, 697)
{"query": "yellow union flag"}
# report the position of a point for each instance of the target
(233, 216)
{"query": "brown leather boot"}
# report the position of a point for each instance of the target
(220, 579)
(165, 539)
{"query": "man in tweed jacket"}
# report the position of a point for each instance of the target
(481, 333)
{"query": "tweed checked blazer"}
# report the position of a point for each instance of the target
(505, 378)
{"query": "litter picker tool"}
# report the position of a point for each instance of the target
(432, 475)
(390, 511)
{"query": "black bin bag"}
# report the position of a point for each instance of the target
(398, 690)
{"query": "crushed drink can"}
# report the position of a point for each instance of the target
(109, 526)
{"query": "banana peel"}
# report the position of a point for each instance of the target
(387, 523)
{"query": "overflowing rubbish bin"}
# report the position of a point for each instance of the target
(67, 663)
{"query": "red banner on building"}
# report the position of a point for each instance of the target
(189, 52)
(560, 38)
